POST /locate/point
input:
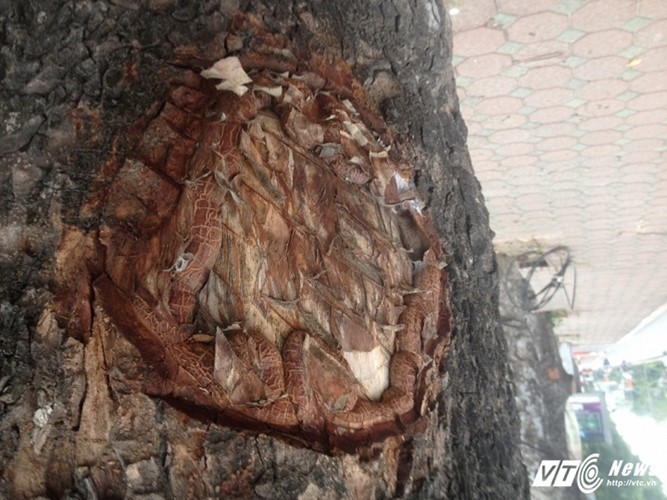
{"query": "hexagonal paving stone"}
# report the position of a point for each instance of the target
(645, 131)
(602, 43)
(602, 89)
(510, 136)
(601, 123)
(601, 137)
(515, 149)
(649, 116)
(655, 9)
(649, 101)
(600, 15)
(647, 168)
(492, 86)
(555, 129)
(601, 67)
(557, 143)
(546, 77)
(654, 35)
(478, 41)
(519, 161)
(478, 141)
(654, 60)
(641, 156)
(559, 156)
(504, 121)
(643, 145)
(538, 27)
(549, 97)
(525, 7)
(481, 154)
(499, 105)
(553, 114)
(650, 82)
(542, 53)
(485, 65)
(472, 14)
(608, 150)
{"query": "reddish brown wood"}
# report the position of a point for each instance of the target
(297, 238)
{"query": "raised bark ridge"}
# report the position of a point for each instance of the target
(266, 251)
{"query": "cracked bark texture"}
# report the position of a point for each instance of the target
(74, 76)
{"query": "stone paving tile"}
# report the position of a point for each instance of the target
(650, 82)
(653, 10)
(537, 28)
(602, 107)
(485, 65)
(654, 60)
(649, 101)
(654, 35)
(549, 97)
(468, 18)
(566, 106)
(478, 41)
(504, 121)
(601, 68)
(553, 114)
(546, 77)
(602, 89)
(495, 86)
(599, 15)
(602, 123)
(525, 7)
(602, 43)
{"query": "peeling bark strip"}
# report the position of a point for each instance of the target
(293, 283)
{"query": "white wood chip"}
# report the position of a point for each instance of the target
(232, 74)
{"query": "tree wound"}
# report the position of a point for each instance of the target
(277, 218)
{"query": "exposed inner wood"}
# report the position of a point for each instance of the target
(266, 251)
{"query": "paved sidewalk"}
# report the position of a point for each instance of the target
(566, 106)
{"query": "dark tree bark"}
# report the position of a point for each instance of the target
(542, 386)
(75, 77)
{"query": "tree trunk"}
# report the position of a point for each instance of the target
(97, 398)
(541, 384)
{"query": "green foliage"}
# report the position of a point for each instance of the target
(616, 376)
(556, 317)
(650, 390)
(619, 450)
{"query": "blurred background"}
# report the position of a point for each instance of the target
(566, 107)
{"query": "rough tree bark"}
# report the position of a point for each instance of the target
(75, 77)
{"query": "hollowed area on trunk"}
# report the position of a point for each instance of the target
(271, 246)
